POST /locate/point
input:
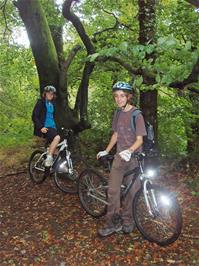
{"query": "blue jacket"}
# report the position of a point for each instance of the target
(39, 116)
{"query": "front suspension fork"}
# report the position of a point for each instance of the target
(147, 195)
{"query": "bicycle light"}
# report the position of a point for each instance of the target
(62, 167)
(165, 200)
(150, 173)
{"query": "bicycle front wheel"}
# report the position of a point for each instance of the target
(67, 182)
(36, 168)
(163, 225)
(92, 188)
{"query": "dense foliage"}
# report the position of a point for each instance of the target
(176, 51)
(18, 91)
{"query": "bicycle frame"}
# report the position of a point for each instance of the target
(145, 181)
(138, 172)
(61, 147)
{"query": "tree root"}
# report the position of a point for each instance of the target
(14, 173)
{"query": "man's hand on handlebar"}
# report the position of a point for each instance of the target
(101, 154)
(125, 155)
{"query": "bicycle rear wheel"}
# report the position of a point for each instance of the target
(92, 189)
(164, 225)
(36, 168)
(68, 182)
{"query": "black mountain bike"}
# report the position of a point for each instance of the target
(156, 211)
(65, 167)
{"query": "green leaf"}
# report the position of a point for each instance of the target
(167, 41)
(158, 78)
(123, 46)
(92, 57)
(138, 81)
(188, 45)
(110, 52)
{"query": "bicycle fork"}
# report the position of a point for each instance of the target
(69, 161)
(40, 157)
(147, 196)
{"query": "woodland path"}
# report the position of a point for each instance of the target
(39, 225)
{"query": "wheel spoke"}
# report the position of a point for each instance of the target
(36, 167)
(67, 182)
(92, 193)
(164, 226)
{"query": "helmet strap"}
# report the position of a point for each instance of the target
(124, 106)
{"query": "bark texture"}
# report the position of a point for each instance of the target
(147, 22)
(47, 47)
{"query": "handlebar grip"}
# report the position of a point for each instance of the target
(107, 157)
(138, 155)
(66, 131)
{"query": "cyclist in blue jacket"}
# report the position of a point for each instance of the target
(43, 117)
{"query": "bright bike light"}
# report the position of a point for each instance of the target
(62, 167)
(165, 200)
(150, 173)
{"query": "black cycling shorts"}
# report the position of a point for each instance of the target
(51, 133)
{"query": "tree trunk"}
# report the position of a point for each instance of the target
(47, 47)
(148, 99)
(193, 132)
(193, 140)
(41, 42)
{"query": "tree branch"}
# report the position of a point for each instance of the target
(116, 25)
(65, 65)
(68, 14)
(192, 78)
(194, 2)
(82, 95)
(118, 60)
(107, 29)
(3, 7)
(148, 77)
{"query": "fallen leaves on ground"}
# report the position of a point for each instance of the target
(42, 226)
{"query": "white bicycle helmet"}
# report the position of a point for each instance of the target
(50, 88)
(120, 85)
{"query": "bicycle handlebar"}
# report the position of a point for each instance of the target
(138, 155)
(66, 132)
(109, 157)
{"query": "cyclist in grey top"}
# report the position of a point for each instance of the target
(127, 142)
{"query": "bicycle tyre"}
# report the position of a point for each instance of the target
(90, 184)
(166, 225)
(67, 183)
(36, 175)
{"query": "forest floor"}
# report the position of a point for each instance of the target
(39, 225)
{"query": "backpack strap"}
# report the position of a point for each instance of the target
(117, 113)
(135, 113)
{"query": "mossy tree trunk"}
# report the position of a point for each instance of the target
(52, 69)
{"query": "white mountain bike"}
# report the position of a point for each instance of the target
(65, 168)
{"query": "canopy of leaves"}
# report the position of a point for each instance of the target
(114, 29)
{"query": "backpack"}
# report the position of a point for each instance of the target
(148, 140)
